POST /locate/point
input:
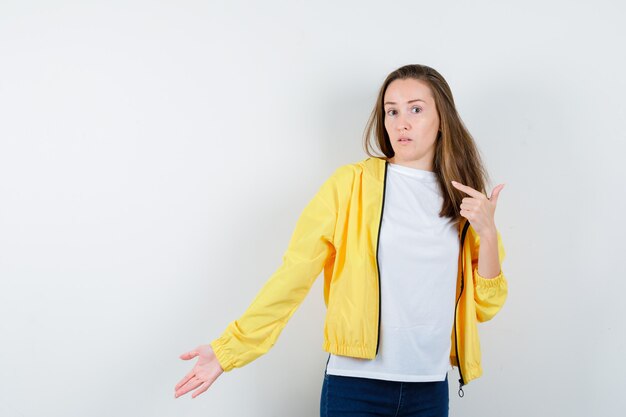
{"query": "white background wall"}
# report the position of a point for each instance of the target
(155, 156)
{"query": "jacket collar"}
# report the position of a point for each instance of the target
(375, 167)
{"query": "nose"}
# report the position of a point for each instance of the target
(402, 124)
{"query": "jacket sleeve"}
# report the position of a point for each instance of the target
(489, 294)
(310, 247)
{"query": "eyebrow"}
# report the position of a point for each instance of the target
(410, 101)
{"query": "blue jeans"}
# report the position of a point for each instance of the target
(366, 397)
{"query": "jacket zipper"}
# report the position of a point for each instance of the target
(456, 339)
(380, 221)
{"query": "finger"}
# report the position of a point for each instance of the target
(190, 385)
(205, 386)
(184, 380)
(189, 355)
(496, 192)
(468, 214)
(471, 201)
(468, 190)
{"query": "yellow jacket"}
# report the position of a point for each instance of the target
(338, 232)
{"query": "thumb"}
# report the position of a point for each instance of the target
(495, 193)
(189, 355)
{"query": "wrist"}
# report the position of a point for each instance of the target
(490, 235)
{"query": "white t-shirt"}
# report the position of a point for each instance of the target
(418, 260)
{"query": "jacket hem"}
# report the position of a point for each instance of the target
(353, 351)
(472, 371)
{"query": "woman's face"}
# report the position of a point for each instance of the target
(412, 123)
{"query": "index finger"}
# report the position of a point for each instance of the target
(468, 190)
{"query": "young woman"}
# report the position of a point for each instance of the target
(411, 259)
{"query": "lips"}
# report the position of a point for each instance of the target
(404, 139)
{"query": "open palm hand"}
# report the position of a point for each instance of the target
(206, 370)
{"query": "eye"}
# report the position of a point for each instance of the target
(390, 111)
(414, 108)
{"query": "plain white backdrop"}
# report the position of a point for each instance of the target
(155, 157)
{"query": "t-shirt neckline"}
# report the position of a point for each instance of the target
(414, 172)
